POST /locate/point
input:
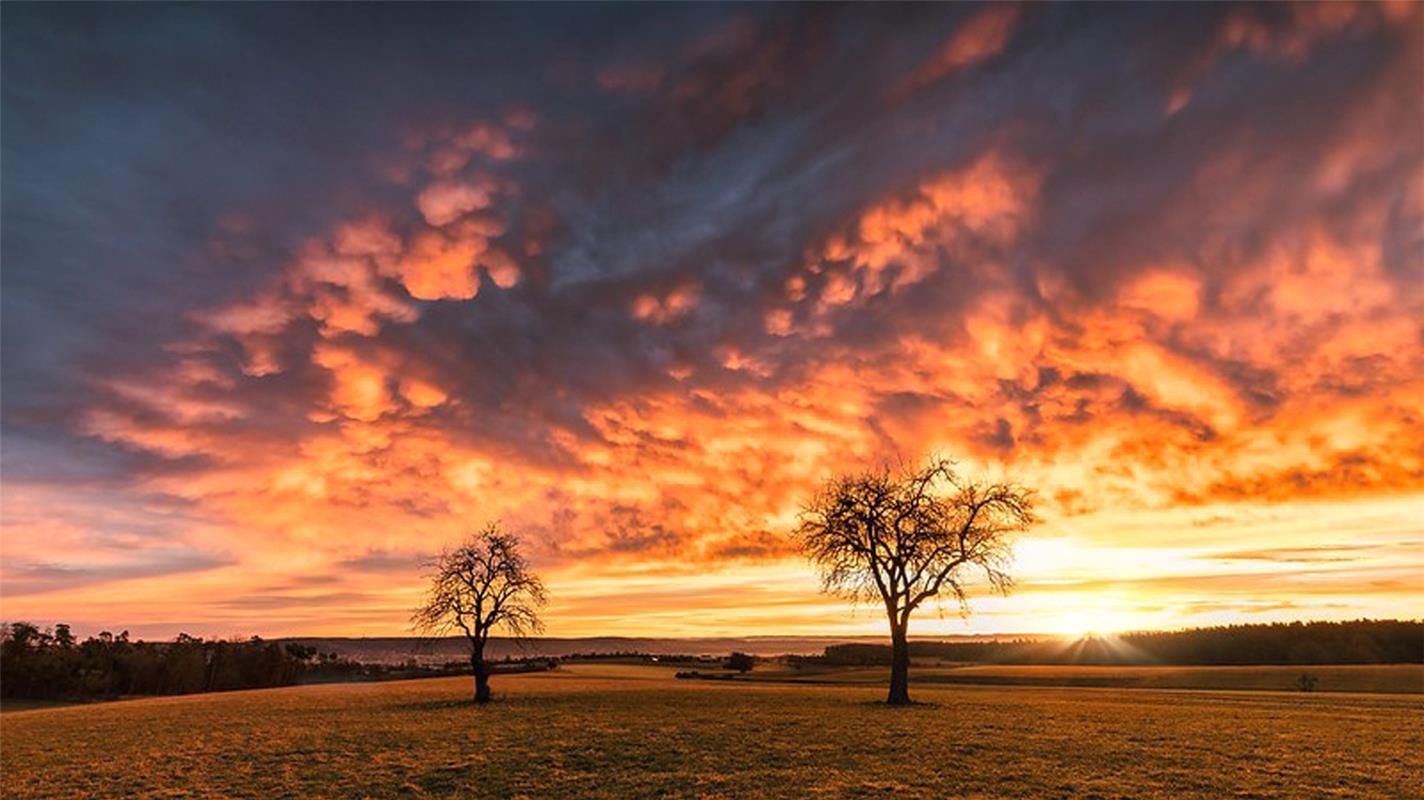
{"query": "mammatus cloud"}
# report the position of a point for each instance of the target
(1172, 288)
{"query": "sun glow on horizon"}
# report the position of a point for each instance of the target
(1094, 622)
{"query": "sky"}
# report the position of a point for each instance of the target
(295, 296)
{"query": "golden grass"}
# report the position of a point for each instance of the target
(632, 731)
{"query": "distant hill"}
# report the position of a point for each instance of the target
(1354, 642)
(400, 649)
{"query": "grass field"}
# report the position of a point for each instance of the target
(630, 731)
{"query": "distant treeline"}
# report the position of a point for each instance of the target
(51, 664)
(1356, 642)
(639, 655)
(37, 663)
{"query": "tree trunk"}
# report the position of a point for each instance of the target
(899, 664)
(477, 662)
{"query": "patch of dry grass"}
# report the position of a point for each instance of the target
(629, 731)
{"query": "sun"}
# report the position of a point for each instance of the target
(1083, 623)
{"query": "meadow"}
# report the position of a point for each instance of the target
(617, 731)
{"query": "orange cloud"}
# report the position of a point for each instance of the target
(1290, 32)
(977, 39)
(437, 267)
(902, 241)
(446, 201)
(662, 309)
(359, 389)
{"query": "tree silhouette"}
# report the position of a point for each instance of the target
(904, 535)
(482, 584)
(741, 662)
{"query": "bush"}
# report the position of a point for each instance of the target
(741, 662)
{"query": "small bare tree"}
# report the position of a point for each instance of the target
(482, 584)
(904, 535)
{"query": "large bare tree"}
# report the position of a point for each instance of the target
(906, 534)
(483, 584)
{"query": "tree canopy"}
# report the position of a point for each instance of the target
(902, 535)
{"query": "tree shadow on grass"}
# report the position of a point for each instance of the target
(441, 705)
(914, 704)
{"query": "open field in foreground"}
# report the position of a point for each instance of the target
(631, 731)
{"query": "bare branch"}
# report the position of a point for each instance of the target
(905, 535)
(483, 584)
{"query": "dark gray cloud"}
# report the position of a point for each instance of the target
(385, 561)
(27, 578)
(130, 132)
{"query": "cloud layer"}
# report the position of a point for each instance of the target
(296, 295)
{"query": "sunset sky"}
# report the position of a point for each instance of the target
(295, 296)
